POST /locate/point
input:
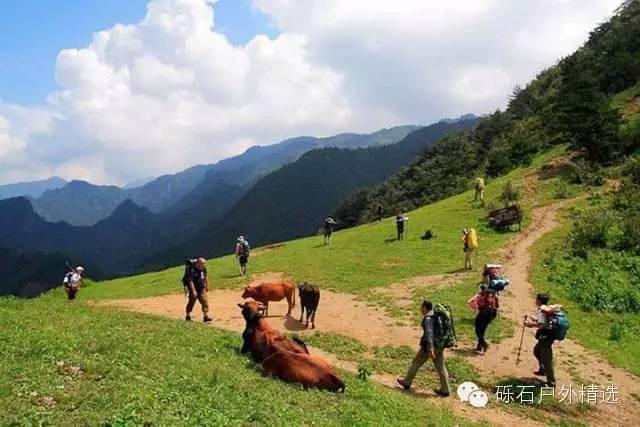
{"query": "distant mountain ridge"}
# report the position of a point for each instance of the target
(84, 204)
(31, 189)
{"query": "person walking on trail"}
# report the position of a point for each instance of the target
(487, 304)
(543, 350)
(72, 281)
(470, 242)
(400, 220)
(329, 223)
(479, 190)
(430, 348)
(243, 251)
(380, 212)
(197, 285)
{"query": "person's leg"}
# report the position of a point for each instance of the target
(419, 359)
(477, 324)
(537, 355)
(203, 298)
(484, 323)
(191, 301)
(441, 368)
(546, 357)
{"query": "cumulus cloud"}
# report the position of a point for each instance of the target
(171, 91)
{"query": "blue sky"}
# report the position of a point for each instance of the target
(32, 32)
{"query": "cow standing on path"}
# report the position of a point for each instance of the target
(309, 299)
(265, 292)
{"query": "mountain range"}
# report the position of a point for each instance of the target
(204, 221)
(83, 204)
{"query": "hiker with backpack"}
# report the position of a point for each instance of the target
(72, 281)
(380, 212)
(196, 286)
(400, 220)
(438, 334)
(329, 223)
(243, 251)
(479, 187)
(470, 242)
(486, 303)
(551, 324)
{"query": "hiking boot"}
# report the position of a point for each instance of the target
(441, 393)
(188, 318)
(539, 373)
(404, 384)
(207, 319)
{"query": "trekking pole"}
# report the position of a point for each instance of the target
(521, 340)
(73, 270)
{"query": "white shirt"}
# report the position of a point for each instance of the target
(74, 281)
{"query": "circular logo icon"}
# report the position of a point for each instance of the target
(465, 389)
(478, 399)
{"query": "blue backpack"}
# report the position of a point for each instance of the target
(559, 324)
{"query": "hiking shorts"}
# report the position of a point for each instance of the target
(243, 259)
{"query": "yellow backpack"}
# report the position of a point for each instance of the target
(472, 239)
(480, 183)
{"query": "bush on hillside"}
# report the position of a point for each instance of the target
(591, 229)
(510, 194)
(608, 281)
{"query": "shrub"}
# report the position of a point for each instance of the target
(590, 230)
(510, 194)
(562, 191)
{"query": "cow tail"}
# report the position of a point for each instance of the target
(292, 297)
(302, 343)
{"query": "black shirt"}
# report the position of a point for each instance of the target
(199, 279)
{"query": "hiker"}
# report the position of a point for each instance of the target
(486, 303)
(328, 229)
(197, 285)
(72, 281)
(479, 190)
(380, 212)
(470, 241)
(243, 250)
(543, 350)
(400, 220)
(430, 348)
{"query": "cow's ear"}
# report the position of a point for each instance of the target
(241, 305)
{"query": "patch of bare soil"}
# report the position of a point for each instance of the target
(402, 293)
(266, 249)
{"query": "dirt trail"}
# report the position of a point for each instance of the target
(346, 315)
(574, 364)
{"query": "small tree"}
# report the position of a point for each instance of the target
(510, 194)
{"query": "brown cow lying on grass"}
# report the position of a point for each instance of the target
(309, 299)
(258, 334)
(285, 358)
(277, 291)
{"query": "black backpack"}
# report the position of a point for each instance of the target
(189, 266)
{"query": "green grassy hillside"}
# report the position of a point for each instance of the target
(70, 365)
(358, 259)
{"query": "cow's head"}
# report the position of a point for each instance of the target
(248, 292)
(251, 310)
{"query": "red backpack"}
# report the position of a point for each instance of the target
(488, 302)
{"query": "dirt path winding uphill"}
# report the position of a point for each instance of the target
(575, 365)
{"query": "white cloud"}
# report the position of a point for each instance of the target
(171, 91)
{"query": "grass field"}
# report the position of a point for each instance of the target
(127, 369)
